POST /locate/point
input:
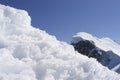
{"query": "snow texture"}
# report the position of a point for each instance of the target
(28, 53)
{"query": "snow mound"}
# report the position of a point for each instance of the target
(28, 53)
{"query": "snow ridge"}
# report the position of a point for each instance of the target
(28, 53)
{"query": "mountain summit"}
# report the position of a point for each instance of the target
(28, 53)
(104, 50)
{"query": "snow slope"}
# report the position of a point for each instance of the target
(28, 53)
(106, 44)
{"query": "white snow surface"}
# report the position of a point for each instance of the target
(28, 53)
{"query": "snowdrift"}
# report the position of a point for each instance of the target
(28, 53)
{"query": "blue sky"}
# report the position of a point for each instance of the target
(64, 18)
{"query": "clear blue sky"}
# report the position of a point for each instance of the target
(64, 18)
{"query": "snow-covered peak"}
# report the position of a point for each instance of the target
(105, 43)
(27, 53)
(82, 36)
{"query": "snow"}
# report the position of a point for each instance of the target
(28, 53)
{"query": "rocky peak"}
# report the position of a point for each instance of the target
(88, 48)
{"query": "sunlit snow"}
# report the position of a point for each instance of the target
(28, 53)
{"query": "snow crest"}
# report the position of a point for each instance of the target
(28, 53)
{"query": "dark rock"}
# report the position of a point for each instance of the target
(84, 46)
(96, 53)
(89, 49)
